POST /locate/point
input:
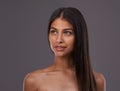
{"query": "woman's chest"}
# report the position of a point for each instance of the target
(61, 86)
(58, 84)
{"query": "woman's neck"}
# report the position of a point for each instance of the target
(63, 63)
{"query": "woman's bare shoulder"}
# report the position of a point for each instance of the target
(32, 79)
(100, 81)
(37, 73)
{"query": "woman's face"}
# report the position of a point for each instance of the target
(61, 37)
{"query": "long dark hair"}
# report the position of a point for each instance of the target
(84, 72)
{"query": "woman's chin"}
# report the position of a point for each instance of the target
(61, 54)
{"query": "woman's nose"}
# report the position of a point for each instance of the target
(59, 38)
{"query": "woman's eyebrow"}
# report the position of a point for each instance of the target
(53, 28)
(65, 29)
(68, 29)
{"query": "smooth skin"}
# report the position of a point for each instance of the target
(60, 76)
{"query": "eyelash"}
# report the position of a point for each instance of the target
(65, 32)
(68, 32)
(53, 31)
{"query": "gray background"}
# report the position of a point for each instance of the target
(23, 38)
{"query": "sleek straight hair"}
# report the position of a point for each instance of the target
(84, 72)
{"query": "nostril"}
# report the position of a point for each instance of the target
(59, 41)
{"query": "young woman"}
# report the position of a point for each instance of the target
(71, 70)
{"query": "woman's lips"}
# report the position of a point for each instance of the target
(60, 48)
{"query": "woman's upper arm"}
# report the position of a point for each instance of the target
(101, 83)
(28, 84)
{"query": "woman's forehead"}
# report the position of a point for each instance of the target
(61, 23)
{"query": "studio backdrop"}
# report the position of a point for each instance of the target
(24, 45)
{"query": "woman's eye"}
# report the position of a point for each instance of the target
(67, 32)
(53, 31)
